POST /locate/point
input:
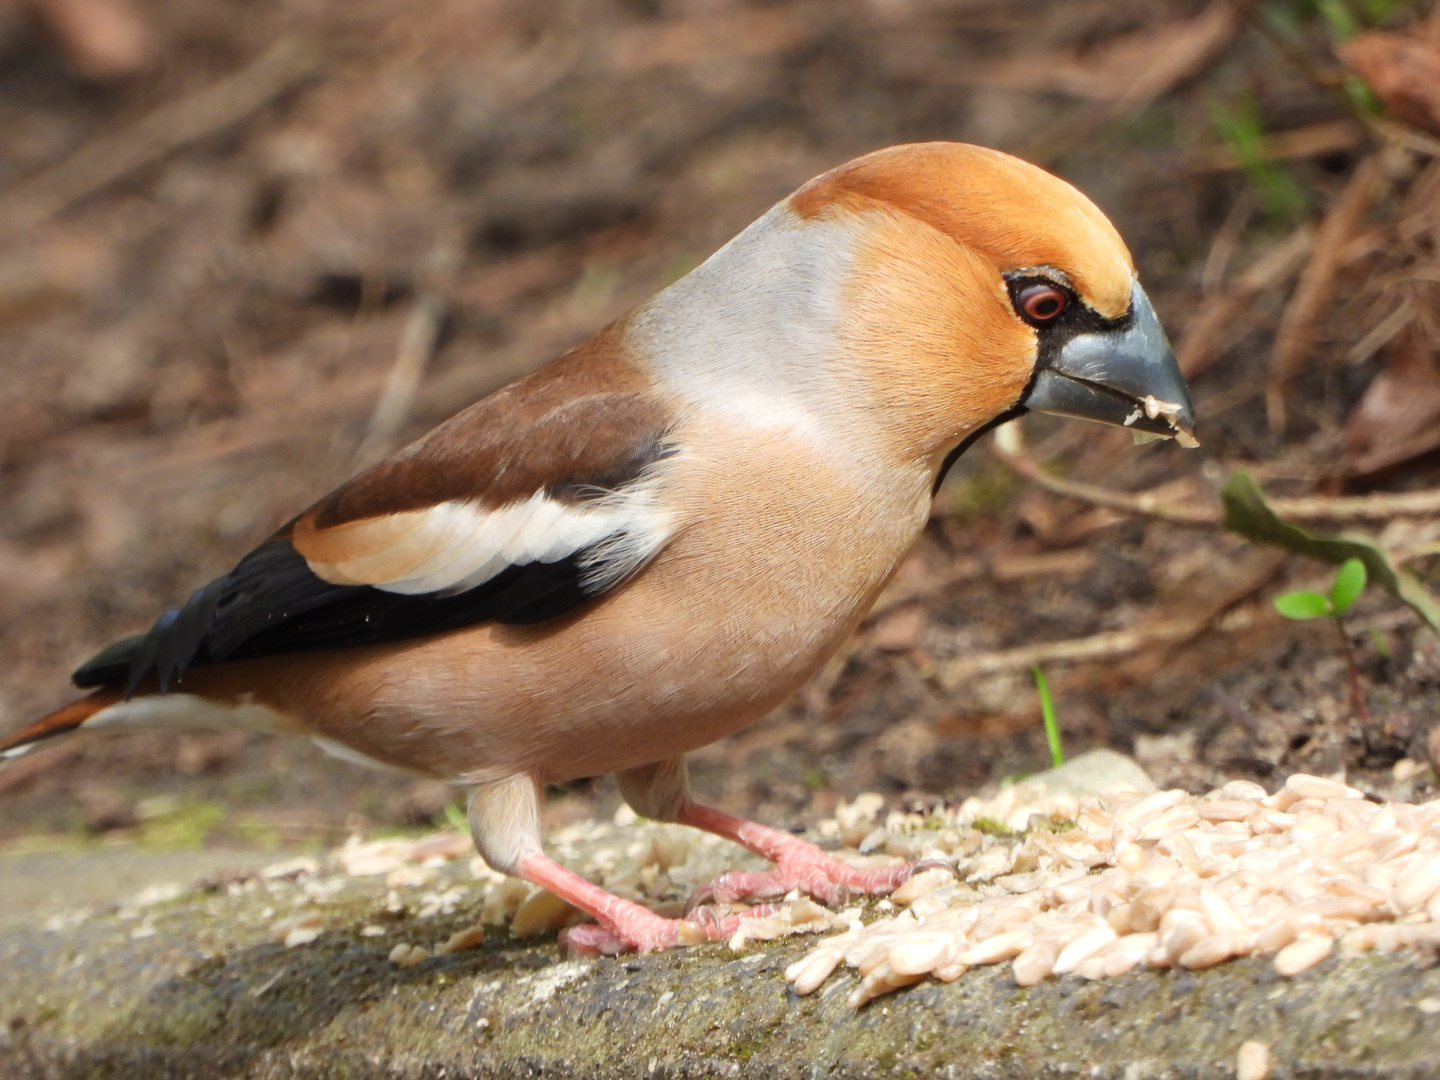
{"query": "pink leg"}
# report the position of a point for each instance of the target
(799, 864)
(623, 925)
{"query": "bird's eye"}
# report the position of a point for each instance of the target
(1042, 303)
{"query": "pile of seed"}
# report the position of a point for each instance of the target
(1164, 879)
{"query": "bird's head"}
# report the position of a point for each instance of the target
(982, 286)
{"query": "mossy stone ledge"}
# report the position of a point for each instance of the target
(201, 985)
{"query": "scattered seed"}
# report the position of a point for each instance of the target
(542, 910)
(1303, 953)
(469, 938)
(1417, 886)
(1035, 964)
(808, 973)
(1306, 786)
(1091, 943)
(993, 950)
(409, 877)
(300, 929)
(1208, 951)
(1253, 1061)
(1126, 953)
(406, 955)
(302, 935)
(1225, 809)
(917, 954)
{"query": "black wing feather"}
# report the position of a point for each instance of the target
(272, 603)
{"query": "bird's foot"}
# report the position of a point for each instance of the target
(802, 865)
(623, 925)
(799, 864)
(643, 931)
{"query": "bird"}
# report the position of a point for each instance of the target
(653, 540)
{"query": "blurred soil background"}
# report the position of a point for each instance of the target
(248, 247)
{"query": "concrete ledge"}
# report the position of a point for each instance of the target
(200, 986)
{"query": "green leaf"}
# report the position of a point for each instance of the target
(1349, 583)
(1247, 513)
(1302, 605)
(1339, 19)
(1047, 711)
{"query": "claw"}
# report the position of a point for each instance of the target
(589, 940)
(936, 864)
(700, 899)
(705, 915)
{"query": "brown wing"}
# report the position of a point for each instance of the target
(518, 509)
(586, 421)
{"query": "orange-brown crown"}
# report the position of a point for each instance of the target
(1012, 213)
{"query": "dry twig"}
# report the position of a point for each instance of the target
(1144, 503)
(1110, 645)
(1377, 507)
(1115, 644)
(1358, 507)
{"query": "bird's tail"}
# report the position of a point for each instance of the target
(60, 722)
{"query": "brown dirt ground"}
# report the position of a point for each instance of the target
(191, 348)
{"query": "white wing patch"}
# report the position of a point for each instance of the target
(457, 545)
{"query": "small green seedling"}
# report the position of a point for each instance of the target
(1047, 710)
(1344, 591)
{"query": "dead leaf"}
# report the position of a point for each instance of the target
(1398, 418)
(1404, 72)
(105, 39)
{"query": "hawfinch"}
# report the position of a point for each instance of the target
(656, 538)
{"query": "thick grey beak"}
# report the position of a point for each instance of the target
(1127, 377)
